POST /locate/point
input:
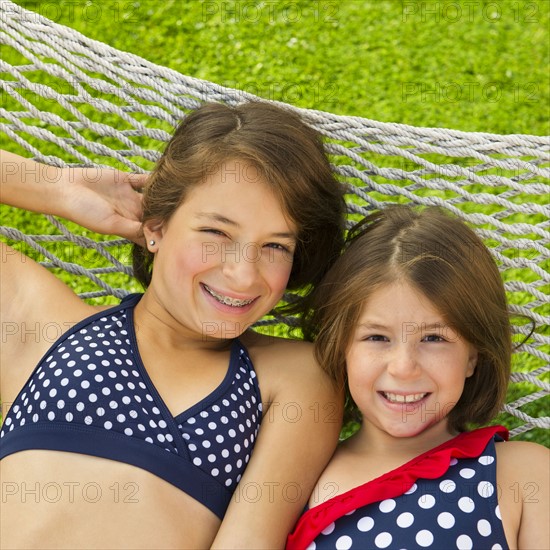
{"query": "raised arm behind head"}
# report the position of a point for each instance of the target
(103, 200)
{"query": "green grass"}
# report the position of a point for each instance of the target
(483, 67)
(474, 66)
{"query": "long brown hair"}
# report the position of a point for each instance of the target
(445, 260)
(287, 154)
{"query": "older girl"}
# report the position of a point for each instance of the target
(147, 423)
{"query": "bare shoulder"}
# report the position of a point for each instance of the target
(523, 474)
(287, 370)
(36, 309)
(287, 359)
(523, 456)
(30, 293)
(523, 465)
(257, 339)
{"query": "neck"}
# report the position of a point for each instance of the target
(153, 322)
(372, 440)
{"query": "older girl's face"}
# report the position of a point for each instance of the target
(406, 365)
(224, 258)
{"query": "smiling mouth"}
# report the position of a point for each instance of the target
(397, 398)
(226, 300)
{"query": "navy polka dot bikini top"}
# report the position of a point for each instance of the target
(91, 394)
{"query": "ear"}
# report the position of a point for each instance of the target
(472, 361)
(153, 230)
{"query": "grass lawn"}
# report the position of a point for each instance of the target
(469, 65)
(474, 66)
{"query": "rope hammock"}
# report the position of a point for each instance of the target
(87, 104)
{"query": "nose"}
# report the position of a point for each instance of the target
(241, 266)
(403, 362)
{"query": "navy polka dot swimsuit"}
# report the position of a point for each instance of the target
(458, 509)
(91, 394)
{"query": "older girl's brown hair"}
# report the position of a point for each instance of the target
(287, 154)
(443, 259)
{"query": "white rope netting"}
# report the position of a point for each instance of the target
(70, 100)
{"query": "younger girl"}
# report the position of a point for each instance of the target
(413, 315)
(145, 424)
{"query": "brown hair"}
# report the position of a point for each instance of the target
(445, 260)
(288, 155)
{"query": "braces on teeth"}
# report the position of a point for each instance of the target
(235, 302)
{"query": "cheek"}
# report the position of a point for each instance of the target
(199, 256)
(278, 273)
(188, 260)
(360, 372)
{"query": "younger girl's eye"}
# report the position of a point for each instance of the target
(376, 338)
(433, 338)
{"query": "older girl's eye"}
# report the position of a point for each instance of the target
(278, 246)
(213, 231)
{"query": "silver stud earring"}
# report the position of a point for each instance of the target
(152, 242)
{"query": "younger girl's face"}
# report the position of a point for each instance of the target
(224, 258)
(406, 366)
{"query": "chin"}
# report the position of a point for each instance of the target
(222, 330)
(404, 430)
(406, 434)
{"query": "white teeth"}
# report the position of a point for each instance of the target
(397, 398)
(226, 300)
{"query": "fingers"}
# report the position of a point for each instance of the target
(129, 201)
(133, 208)
(130, 230)
(137, 181)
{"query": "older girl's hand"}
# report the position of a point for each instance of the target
(104, 200)
(101, 199)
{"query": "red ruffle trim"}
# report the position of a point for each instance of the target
(429, 465)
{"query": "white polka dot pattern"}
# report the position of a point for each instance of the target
(432, 514)
(93, 378)
(226, 430)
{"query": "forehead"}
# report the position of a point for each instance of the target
(237, 171)
(238, 191)
(398, 300)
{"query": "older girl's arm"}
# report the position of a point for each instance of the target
(534, 463)
(523, 477)
(297, 437)
(100, 199)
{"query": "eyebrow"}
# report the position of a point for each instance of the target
(423, 326)
(372, 326)
(214, 216)
(434, 326)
